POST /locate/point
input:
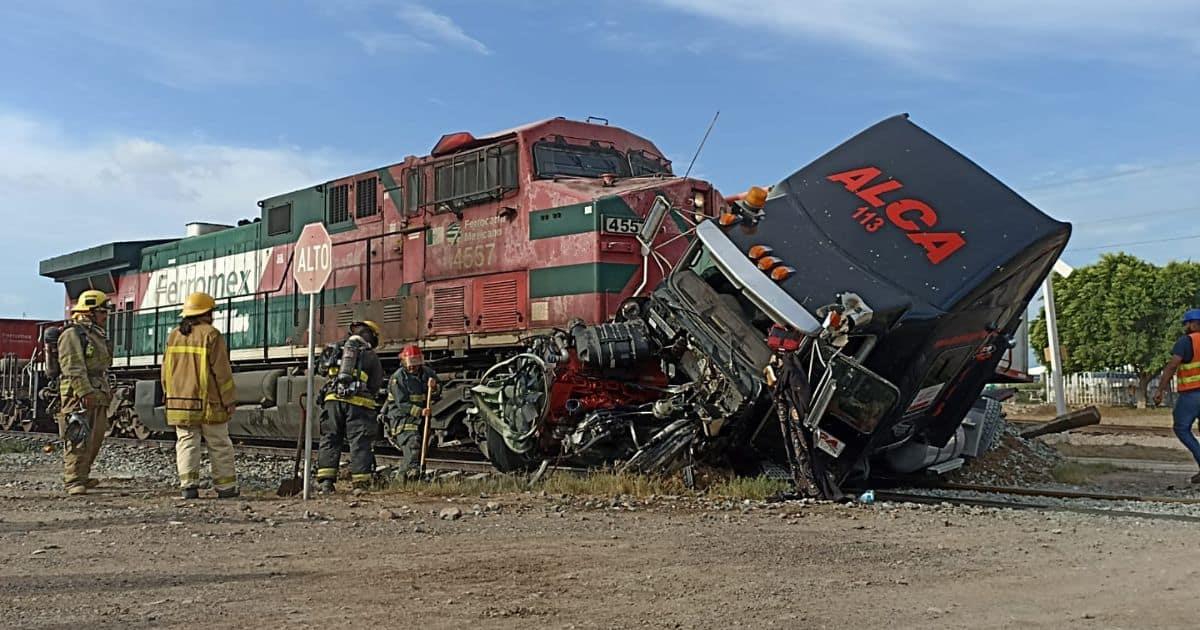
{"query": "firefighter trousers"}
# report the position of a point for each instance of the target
(220, 454)
(77, 460)
(339, 421)
(409, 443)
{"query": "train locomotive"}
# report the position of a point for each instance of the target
(583, 304)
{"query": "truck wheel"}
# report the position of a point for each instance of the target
(505, 459)
(993, 425)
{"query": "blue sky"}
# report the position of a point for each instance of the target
(124, 120)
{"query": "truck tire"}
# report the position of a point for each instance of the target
(993, 425)
(505, 459)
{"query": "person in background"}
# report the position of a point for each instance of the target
(1185, 362)
(197, 381)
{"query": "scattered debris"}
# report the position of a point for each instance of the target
(1073, 420)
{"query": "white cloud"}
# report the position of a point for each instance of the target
(937, 33)
(375, 43)
(63, 193)
(424, 31)
(439, 27)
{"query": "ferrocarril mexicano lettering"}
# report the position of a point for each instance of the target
(232, 284)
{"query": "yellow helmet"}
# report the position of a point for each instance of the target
(372, 325)
(91, 300)
(198, 304)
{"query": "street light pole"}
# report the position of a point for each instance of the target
(1056, 369)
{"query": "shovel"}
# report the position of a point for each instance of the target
(294, 485)
(428, 420)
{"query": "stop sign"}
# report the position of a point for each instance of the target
(314, 258)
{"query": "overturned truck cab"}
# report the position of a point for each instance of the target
(842, 323)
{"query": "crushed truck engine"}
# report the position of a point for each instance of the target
(844, 322)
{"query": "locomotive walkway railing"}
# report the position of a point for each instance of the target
(128, 318)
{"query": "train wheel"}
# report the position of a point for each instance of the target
(8, 415)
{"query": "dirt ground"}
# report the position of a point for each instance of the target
(130, 558)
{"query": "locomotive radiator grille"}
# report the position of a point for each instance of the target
(449, 308)
(499, 309)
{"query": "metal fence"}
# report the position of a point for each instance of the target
(1112, 389)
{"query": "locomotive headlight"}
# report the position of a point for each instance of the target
(698, 199)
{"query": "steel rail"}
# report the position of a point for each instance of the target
(1000, 503)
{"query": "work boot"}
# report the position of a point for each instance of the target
(191, 493)
(91, 483)
(229, 493)
(325, 486)
(76, 489)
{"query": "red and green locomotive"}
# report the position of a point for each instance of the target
(485, 242)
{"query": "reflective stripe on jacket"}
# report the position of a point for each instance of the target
(406, 393)
(197, 377)
(1189, 373)
(371, 375)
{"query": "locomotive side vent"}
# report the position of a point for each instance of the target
(364, 197)
(393, 313)
(279, 220)
(499, 309)
(345, 317)
(449, 308)
(339, 204)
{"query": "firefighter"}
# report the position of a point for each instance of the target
(1185, 361)
(406, 410)
(198, 385)
(355, 379)
(84, 358)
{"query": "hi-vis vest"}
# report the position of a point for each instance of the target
(1188, 376)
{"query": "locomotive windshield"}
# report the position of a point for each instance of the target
(574, 160)
(646, 163)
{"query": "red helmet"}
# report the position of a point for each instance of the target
(411, 357)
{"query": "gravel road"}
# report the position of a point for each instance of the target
(133, 556)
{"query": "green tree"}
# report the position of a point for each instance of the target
(1121, 312)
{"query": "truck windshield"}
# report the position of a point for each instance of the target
(572, 160)
(701, 263)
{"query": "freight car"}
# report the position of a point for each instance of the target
(468, 251)
(20, 379)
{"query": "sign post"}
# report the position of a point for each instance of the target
(313, 258)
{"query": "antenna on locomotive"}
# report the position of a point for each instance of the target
(702, 141)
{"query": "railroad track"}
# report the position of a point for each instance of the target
(1024, 499)
(440, 461)
(1005, 497)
